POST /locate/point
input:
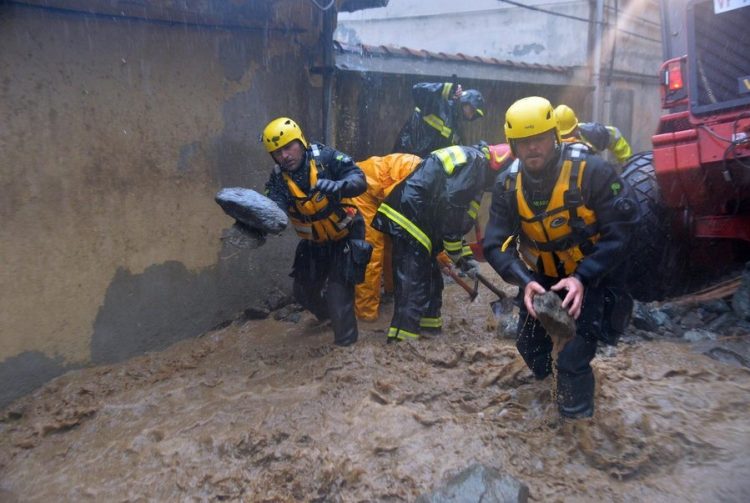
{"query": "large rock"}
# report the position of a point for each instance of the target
(476, 484)
(242, 236)
(560, 326)
(252, 209)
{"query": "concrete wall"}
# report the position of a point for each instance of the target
(633, 53)
(115, 135)
(476, 27)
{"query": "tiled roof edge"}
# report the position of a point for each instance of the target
(390, 50)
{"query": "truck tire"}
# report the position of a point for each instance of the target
(653, 266)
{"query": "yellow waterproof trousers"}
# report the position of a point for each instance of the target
(382, 173)
(367, 293)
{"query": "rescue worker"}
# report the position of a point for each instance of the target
(597, 136)
(572, 218)
(429, 212)
(382, 174)
(313, 183)
(435, 122)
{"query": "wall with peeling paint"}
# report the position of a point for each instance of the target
(115, 135)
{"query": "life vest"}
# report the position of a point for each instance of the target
(554, 241)
(314, 216)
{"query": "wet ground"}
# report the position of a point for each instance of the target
(271, 411)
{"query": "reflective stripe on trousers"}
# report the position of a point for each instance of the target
(418, 289)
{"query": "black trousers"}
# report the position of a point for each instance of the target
(575, 377)
(323, 284)
(418, 288)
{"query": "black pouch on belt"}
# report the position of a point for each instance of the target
(357, 253)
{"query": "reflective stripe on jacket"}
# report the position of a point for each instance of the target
(432, 203)
(437, 123)
(601, 138)
(559, 235)
(439, 115)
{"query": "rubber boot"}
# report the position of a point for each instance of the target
(341, 308)
(534, 346)
(575, 395)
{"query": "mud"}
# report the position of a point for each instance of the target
(267, 410)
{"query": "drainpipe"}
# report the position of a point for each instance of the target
(329, 25)
(596, 70)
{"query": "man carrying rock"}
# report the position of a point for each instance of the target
(572, 218)
(313, 184)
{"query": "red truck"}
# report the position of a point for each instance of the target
(694, 186)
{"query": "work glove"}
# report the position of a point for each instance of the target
(469, 266)
(458, 91)
(329, 187)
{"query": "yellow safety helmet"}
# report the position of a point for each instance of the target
(566, 119)
(528, 117)
(280, 132)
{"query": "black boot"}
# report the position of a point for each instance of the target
(341, 307)
(575, 395)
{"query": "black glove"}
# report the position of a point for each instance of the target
(329, 187)
(469, 266)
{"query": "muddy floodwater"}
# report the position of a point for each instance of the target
(271, 411)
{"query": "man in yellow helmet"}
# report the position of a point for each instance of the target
(382, 174)
(597, 136)
(426, 213)
(313, 183)
(572, 218)
(436, 120)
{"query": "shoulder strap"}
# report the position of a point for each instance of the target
(316, 158)
(512, 175)
(572, 198)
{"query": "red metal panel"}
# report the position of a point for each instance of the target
(729, 227)
(691, 174)
(687, 157)
(665, 165)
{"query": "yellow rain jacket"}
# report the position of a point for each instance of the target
(382, 174)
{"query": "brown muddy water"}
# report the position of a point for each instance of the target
(272, 411)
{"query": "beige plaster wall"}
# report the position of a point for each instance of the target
(115, 135)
